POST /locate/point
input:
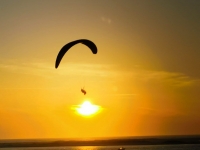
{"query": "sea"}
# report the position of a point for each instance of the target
(129, 147)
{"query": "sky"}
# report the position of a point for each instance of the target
(145, 76)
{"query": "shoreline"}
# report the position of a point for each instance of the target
(165, 140)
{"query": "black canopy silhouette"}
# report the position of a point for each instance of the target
(66, 47)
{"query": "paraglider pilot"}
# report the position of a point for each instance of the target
(83, 91)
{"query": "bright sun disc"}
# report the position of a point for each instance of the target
(87, 109)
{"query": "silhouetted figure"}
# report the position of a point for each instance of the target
(83, 91)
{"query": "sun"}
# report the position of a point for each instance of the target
(87, 109)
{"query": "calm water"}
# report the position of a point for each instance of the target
(148, 147)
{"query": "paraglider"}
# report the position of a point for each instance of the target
(66, 47)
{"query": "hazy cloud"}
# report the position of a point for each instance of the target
(106, 20)
(138, 77)
(175, 79)
(160, 112)
(26, 68)
(171, 78)
(42, 68)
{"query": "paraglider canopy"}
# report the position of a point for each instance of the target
(66, 47)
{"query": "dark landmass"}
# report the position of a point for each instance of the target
(165, 140)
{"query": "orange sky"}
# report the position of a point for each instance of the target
(145, 75)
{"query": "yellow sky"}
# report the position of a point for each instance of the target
(144, 76)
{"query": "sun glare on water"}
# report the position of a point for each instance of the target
(87, 109)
